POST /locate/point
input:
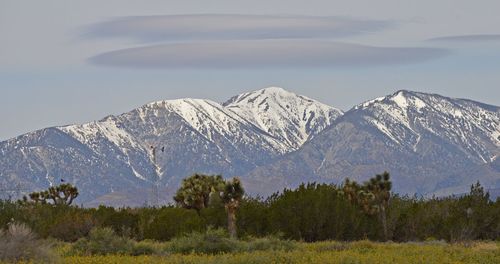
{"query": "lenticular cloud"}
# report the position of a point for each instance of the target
(263, 53)
(233, 27)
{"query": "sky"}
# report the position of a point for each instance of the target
(65, 62)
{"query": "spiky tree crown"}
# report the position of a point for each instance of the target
(61, 194)
(233, 191)
(371, 195)
(195, 191)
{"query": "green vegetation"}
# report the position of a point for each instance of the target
(215, 241)
(312, 212)
(372, 197)
(195, 191)
(322, 252)
(231, 197)
(199, 191)
(58, 195)
(194, 231)
(103, 241)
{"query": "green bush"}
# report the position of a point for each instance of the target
(142, 248)
(124, 221)
(213, 241)
(71, 226)
(311, 212)
(363, 246)
(103, 241)
(19, 243)
(165, 223)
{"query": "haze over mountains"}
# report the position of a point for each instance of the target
(272, 138)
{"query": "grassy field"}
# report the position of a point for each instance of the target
(325, 252)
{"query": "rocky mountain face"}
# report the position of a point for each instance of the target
(292, 119)
(141, 156)
(432, 145)
(272, 138)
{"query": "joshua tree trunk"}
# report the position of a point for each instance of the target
(231, 196)
(231, 221)
(383, 218)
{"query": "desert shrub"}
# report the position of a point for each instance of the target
(215, 215)
(72, 226)
(213, 241)
(315, 212)
(18, 243)
(253, 217)
(311, 212)
(363, 246)
(124, 221)
(270, 243)
(103, 241)
(8, 211)
(168, 222)
(142, 248)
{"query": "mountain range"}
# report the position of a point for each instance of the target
(271, 138)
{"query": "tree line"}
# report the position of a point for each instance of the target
(310, 212)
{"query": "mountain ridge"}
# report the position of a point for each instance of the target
(271, 137)
(154, 145)
(428, 148)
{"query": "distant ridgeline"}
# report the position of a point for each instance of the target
(271, 138)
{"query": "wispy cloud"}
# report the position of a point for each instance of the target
(233, 27)
(230, 41)
(468, 38)
(263, 53)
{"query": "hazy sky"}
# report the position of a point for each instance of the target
(65, 62)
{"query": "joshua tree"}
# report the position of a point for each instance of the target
(231, 197)
(195, 191)
(373, 196)
(380, 187)
(63, 194)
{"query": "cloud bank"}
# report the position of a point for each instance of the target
(228, 41)
(233, 27)
(263, 53)
(468, 38)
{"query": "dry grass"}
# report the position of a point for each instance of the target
(328, 252)
(18, 243)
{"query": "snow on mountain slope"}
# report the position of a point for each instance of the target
(431, 145)
(287, 116)
(288, 119)
(405, 116)
(211, 119)
(160, 143)
(107, 128)
(93, 134)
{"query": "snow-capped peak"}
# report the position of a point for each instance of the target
(207, 117)
(406, 116)
(273, 92)
(402, 99)
(284, 115)
(270, 122)
(195, 111)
